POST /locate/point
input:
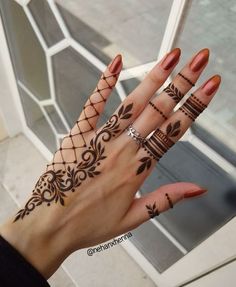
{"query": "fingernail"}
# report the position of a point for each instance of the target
(170, 59)
(211, 85)
(199, 60)
(192, 193)
(116, 65)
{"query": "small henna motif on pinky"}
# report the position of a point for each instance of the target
(152, 210)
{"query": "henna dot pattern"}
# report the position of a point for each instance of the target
(186, 79)
(193, 107)
(159, 111)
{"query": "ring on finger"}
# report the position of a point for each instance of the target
(135, 135)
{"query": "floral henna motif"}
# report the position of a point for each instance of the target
(53, 185)
(173, 130)
(173, 92)
(152, 210)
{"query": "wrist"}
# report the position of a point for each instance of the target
(44, 248)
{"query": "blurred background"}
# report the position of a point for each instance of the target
(51, 57)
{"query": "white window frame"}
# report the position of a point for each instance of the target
(194, 263)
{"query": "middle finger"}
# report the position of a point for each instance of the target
(160, 107)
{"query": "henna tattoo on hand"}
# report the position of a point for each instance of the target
(156, 147)
(53, 185)
(169, 200)
(173, 130)
(146, 164)
(152, 210)
(77, 135)
(186, 79)
(174, 92)
(159, 111)
(193, 107)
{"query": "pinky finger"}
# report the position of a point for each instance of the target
(158, 201)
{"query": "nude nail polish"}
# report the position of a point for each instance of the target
(192, 193)
(199, 60)
(170, 59)
(116, 65)
(212, 85)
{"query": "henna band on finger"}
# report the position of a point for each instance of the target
(169, 200)
(174, 92)
(193, 107)
(158, 144)
(159, 111)
(186, 79)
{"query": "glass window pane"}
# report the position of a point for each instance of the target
(75, 79)
(46, 21)
(56, 120)
(27, 54)
(133, 28)
(213, 31)
(36, 121)
(192, 221)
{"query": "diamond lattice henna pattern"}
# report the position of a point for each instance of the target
(76, 138)
(54, 185)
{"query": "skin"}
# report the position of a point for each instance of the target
(104, 206)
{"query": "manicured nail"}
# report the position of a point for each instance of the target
(170, 59)
(116, 65)
(199, 60)
(192, 193)
(212, 85)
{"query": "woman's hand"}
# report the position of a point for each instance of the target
(87, 193)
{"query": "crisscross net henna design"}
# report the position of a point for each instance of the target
(54, 184)
(174, 92)
(76, 138)
(193, 107)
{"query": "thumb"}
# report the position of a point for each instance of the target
(158, 201)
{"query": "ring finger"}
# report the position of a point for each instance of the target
(174, 128)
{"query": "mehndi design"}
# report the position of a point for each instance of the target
(53, 185)
(186, 79)
(169, 200)
(174, 92)
(158, 110)
(76, 137)
(152, 210)
(193, 107)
